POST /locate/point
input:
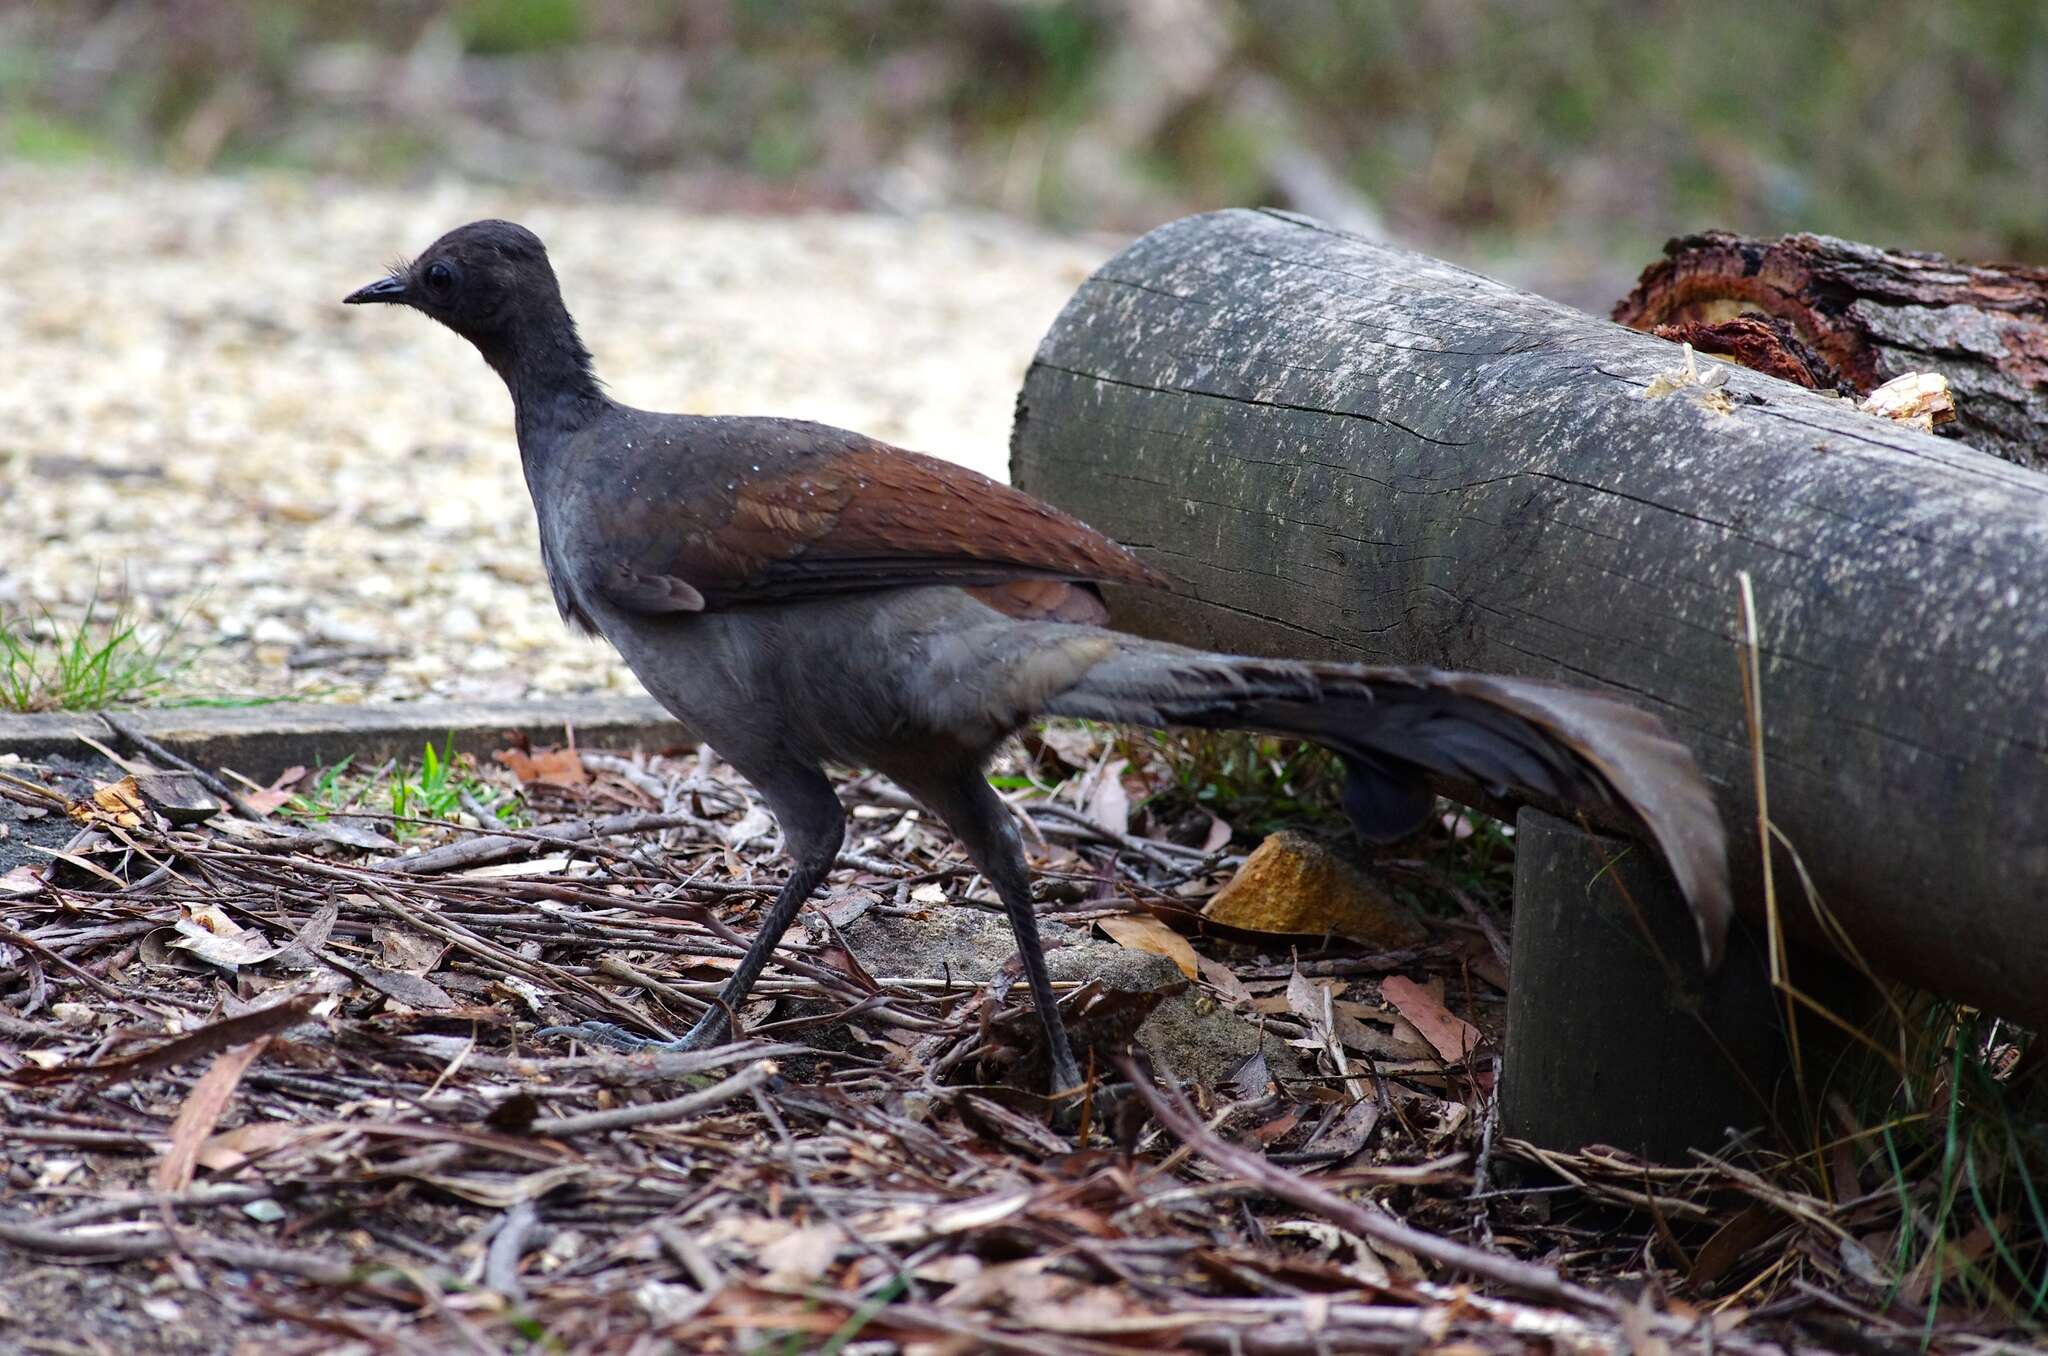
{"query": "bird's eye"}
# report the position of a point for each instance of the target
(440, 277)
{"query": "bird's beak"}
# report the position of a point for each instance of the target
(384, 289)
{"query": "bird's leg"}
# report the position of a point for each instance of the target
(813, 826)
(975, 813)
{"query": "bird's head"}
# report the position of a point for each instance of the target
(491, 283)
(483, 280)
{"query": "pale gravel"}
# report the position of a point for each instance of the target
(188, 416)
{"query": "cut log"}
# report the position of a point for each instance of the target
(1342, 450)
(1870, 315)
(1606, 995)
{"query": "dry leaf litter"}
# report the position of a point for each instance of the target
(271, 1081)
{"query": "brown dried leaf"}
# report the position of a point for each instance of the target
(1103, 796)
(1450, 1035)
(202, 1111)
(549, 767)
(1348, 1133)
(275, 794)
(1224, 981)
(1071, 744)
(1218, 835)
(404, 949)
(303, 950)
(1143, 932)
(231, 1148)
(801, 1256)
(118, 802)
(217, 939)
(410, 990)
(1306, 999)
(502, 1193)
(193, 1044)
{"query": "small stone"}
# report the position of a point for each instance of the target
(1292, 883)
(275, 631)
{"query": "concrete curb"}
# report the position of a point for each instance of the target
(261, 741)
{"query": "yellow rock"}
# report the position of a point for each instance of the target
(1292, 883)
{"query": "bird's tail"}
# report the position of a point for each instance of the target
(1395, 726)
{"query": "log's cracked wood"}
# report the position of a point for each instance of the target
(1338, 449)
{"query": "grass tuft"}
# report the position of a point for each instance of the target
(97, 662)
(1259, 783)
(1941, 1091)
(443, 785)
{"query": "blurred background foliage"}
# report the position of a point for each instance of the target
(1493, 128)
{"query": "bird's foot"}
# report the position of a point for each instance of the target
(1067, 1079)
(613, 1037)
(1081, 1102)
(709, 1031)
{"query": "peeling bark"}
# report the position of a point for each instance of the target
(1338, 449)
(1872, 315)
(1761, 344)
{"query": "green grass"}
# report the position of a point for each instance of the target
(1962, 1153)
(331, 792)
(27, 134)
(441, 785)
(96, 662)
(501, 27)
(1258, 783)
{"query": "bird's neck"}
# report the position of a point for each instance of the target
(554, 387)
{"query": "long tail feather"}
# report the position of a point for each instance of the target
(1394, 726)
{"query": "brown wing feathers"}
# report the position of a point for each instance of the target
(873, 516)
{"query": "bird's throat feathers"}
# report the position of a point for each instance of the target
(549, 373)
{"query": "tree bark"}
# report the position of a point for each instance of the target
(1872, 315)
(1339, 449)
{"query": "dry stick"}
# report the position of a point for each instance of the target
(106, 1141)
(1750, 658)
(1542, 1282)
(224, 1193)
(62, 1243)
(1153, 852)
(501, 1259)
(505, 847)
(28, 943)
(718, 1094)
(510, 960)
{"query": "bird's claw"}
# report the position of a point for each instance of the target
(709, 1030)
(611, 1037)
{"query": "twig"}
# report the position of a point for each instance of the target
(155, 1243)
(1155, 853)
(1525, 1277)
(501, 1260)
(718, 1094)
(506, 847)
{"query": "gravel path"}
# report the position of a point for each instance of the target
(190, 417)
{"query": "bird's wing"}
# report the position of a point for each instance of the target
(843, 514)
